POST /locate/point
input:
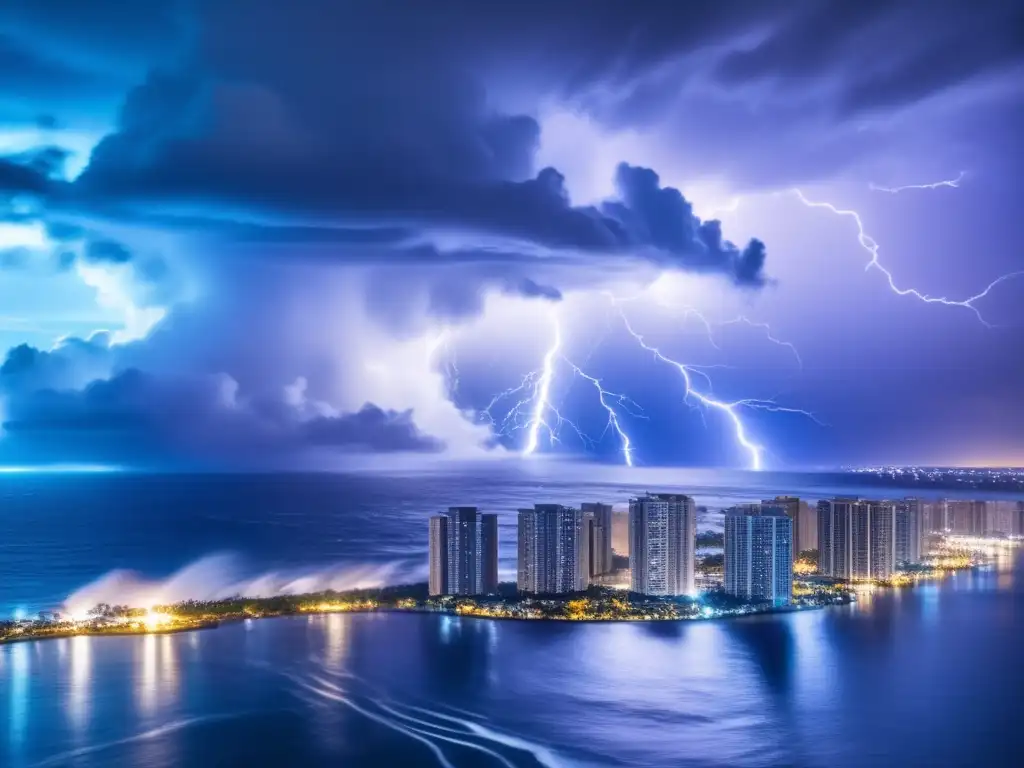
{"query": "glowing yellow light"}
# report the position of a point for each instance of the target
(155, 620)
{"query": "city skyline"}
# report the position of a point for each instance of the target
(856, 539)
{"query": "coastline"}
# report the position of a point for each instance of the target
(216, 624)
(596, 606)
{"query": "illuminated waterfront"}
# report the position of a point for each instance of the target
(796, 689)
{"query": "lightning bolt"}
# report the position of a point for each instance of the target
(869, 244)
(708, 325)
(952, 183)
(535, 411)
(732, 206)
(543, 392)
(731, 410)
(603, 396)
(768, 335)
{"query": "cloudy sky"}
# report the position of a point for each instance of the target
(249, 233)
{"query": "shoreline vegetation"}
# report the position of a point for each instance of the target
(597, 603)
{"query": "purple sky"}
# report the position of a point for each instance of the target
(247, 233)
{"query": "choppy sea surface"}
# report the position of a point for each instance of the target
(927, 676)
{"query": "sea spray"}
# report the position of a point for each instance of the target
(223, 575)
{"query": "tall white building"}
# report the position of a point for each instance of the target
(553, 550)
(856, 538)
(662, 539)
(759, 555)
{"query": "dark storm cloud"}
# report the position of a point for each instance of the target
(73, 363)
(132, 414)
(401, 137)
(406, 137)
(528, 287)
(662, 217)
(32, 173)
(875, 63)
(106, 251)
(369, 428)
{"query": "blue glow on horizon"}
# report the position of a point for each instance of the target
(41, 469)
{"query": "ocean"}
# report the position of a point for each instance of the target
(924, 676)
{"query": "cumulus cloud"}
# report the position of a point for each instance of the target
(134, 417)
(335, 204)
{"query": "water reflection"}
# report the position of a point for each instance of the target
(769, 644)
(845, 687)
(169, 664)
(157, 674)
(146, 685)
(20, 663)
(81, 676)
(338, 638)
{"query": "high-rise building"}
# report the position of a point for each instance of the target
(789, 506)
(808, 528)
(1000, 517)
(553, 550)
(488, 553)
(908, 536)
(1018, 519)
(759, 555)
(463, 552)
(856, 538)
(662, 539)
(599, 537)
(934, 516)
(438, 581)
(967, 517)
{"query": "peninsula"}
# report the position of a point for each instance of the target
(594, 604)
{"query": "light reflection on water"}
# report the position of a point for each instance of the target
(81, 678)
(849, 686)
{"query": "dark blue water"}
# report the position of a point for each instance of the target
(60, 532)
(930, 676)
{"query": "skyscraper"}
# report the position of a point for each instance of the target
(438, 582)
(856, 538)
(790, 507)
(488, 553)
(662, 538)
(758, 555)
(463, 552)
(1001, 514)
(808, 538)
(967, 517)
(553, 550)
(908, 531)
(600, 537)
(934, 516)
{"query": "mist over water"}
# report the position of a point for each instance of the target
(221, 576)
